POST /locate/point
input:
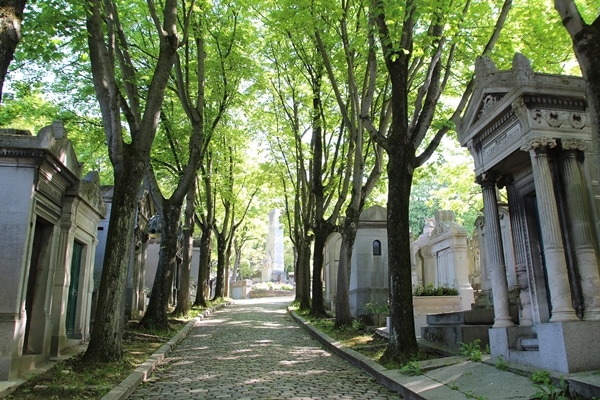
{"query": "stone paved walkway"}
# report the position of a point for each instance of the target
(254, 350)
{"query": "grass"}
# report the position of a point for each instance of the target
(72, 379)
(363, 339)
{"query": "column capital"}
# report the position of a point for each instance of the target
(493, 178)
(573, 144)
(538, 144)
(488, 178)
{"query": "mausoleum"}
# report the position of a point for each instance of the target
(369, 269)
(529, 134)
(49, 220)
(142, 266)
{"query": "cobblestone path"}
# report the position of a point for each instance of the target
(253, 350)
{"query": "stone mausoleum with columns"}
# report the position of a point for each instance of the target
(529, 134)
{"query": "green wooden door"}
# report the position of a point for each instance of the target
(73, 290)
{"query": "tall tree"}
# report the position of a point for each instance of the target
(423, 57)
(189, 73)
(298, 200)
(187, 248)
(232, 195)
(117, 85)
(11, 16)
(289, 151)
(354, 100)
(586, 43)
(205, 219)
(304, 101)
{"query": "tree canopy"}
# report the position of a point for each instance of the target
(294, 104)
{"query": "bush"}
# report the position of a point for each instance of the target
(272, 286)
(429, 290)
(374, 307)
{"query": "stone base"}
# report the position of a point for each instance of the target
(453, 328)
(452, 336)
(563, 346)
(254, 294)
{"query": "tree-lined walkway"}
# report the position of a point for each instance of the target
(253, 350)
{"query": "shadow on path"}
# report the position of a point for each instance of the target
(254, 350)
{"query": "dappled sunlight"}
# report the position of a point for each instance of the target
(309, 351)
(269, 325)
(201, 335)
(288, 362)
(242, 351)
(212, 321)
(199, 348)
(359, 341)
(257, 351)
(240, 357)
(183, 362)
(243, 322)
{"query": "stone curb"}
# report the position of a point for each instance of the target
(128, 385)
(408, 387)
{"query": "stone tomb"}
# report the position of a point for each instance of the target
(529, 133)
(142, 267)
(442, 257)
(369, 269)
(48, 225)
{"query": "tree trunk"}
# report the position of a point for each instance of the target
(220, 283)
(107, 332)
(183, 295)
(156, 314)
(303, 275)
(343, 316)
(317, 308)
(402, 345)
(586, 44)
(11, 15)
(129, 159)
(238, 245)
(203, 265)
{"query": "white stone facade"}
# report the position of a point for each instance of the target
(528, 133)
(369, 269)
(49, 219)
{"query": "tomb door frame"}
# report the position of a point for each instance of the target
(533, 247)
(74, 289)
(37, 283)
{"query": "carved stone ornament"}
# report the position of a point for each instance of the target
(573, 144)
(484, 68)
(522, 68)
(577, 120)
(553, 119)
(489, 102)
(539, 143)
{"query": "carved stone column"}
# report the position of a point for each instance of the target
(554, 251)
(495, 251)
(585, 252)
